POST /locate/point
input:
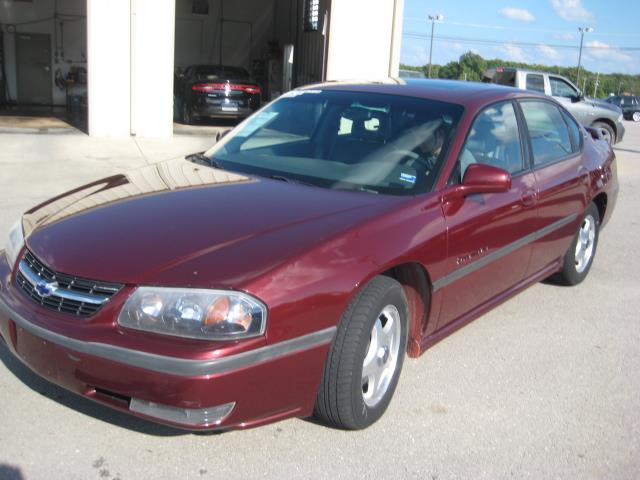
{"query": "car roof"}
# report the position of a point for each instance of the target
(453, 91)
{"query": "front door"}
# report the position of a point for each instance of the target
(33, 62)
(488, 234)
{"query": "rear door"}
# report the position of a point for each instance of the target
(487, 233)
(555, 140)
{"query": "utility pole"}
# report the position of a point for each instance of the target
(582, 31)
(595, 87)
(434, 19)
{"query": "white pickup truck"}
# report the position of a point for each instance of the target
(589, 112)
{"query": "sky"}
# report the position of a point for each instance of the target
(542, 31)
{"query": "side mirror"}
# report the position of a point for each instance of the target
(595, 133)
(480, 178)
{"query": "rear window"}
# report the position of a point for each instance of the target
(535, 82)
(501, 77)
(218, 72)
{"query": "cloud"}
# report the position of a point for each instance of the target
(603, 51)
(571, 10)
(519, 14)
(514, 53)
(549, 52)
(565, 36)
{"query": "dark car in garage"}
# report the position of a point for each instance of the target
(215, 91)
(289, 271)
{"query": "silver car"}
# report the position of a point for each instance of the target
(588, 111)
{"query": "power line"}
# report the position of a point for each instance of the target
(484, 41)
(520, 29)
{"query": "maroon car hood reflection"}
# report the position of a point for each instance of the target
(152, 224)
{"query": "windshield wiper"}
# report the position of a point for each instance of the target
(202, 159)
(282, 178)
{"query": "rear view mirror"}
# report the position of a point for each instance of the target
(480, 178)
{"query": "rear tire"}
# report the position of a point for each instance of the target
(187, 117)
(579, 258)
(366, 356)
(609, 134)
(636, 116)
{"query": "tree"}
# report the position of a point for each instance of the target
(472, 66)
(450, 70)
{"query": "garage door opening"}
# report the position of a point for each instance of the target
(232, 56)
(43, 66)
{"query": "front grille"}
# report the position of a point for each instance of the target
(68, 288)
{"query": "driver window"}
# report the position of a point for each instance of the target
(560, 88)
(494, 140)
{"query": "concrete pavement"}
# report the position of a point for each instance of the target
(545, 386)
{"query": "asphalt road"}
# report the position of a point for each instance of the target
(545, 386)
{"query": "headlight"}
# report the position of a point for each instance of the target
(15, 242)
(194, 313)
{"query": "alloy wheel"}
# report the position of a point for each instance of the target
(381, 357)
(585, 243)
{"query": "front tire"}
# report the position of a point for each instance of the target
(636, 116)
(366, 357)
(579, 258)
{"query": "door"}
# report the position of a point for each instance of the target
(33, 64)
(488, 234)
(565, 93)
(562, 180)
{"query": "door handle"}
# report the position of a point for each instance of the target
(528, 198)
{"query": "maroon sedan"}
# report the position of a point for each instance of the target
(287, 271)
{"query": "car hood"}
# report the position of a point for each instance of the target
(602, 104)
(180, 223)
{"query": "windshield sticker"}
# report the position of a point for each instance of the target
(405, 177)
(260, 120)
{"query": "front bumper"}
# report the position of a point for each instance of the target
(238, 391)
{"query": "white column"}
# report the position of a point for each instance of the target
(360, 39)
(396, 38)
(152, 54)
(108, 48)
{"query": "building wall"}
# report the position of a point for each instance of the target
(38, 17)
(364, 39)
(110, 68)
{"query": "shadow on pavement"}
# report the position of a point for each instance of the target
(79, 404)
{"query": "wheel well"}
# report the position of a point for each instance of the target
(601, 203)
(417, 287)
(608, 122)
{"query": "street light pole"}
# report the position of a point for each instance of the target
(582, 31)
(433, 19)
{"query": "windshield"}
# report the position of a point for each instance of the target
(344, 140)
